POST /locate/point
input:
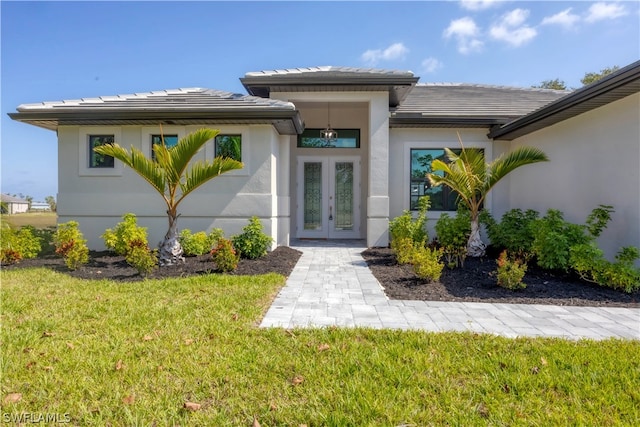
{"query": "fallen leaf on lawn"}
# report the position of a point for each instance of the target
(192, 406)
(147, 338)
(255, 422)
(535, 370)
(12, 398)
(119, 365)
(323, 347)
(30, 365)
(46, 334)
(48, 368)
(273, 407)
(482, 410)
(290, 333)
(129, 400)
(543, 361)
(298, 379)
(70, 345)
(27, 350)
(235, 316)
(188, 341)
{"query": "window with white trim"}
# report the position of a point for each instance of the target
(228, 145)
(97, 160)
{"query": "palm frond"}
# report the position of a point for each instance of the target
(136, 160)
(182, 153)
(200, 172)
(513, 160)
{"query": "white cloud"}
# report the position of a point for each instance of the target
(512, 28)
(478, 4)
(395, 51)
(565, 19)
(466, 33)
(601, 11)
(431, 65)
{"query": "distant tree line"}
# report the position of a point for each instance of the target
(588, 78)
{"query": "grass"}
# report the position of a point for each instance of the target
(114, 353)
(39, 220)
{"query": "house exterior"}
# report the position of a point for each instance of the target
(15, 205)
(389, 127)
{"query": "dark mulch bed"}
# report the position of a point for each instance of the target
(105, 265)
(476, 282)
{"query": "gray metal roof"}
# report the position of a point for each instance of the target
(10, 199)
(178, 106)
(618, 85)
(331, 78)
(471, 105)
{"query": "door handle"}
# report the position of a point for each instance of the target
(330, 213)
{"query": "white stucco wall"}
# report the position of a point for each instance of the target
(97, 199)
(594, 159)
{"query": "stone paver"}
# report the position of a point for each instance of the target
(332, 285)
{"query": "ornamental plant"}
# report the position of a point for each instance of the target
(406, 226)
(121, 238)
(18, 244)
(141, 257)
(252, 243)
(514, 232)
(225, 256)
(510, 272)
(71, 245)
(426, 263)
(453, 234)
(589, 262)
(173, 175)
(199, 243)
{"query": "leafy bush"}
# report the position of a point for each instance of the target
(405, 226)
(510, 272)
(514, 232)
(70, 245)
(598, 219)
(554, 237)
(120, 239)
(141, 257)
(18, 244)
(252, 243)
(225, 256)
(589, 262)
(404, 249)
(453, 234)
(199, 243)
(426, 263)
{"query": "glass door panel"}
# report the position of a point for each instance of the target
(343, 180)
(312, 195)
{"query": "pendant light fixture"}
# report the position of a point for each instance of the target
(328, 134)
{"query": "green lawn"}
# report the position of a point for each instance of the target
(36, 219)
(134, 353)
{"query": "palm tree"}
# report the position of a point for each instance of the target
(170, 175)
(468, 175)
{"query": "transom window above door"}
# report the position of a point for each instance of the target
(347, 138)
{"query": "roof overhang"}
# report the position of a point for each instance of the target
(613, 87)
(285, 122)
(331, 79)
(421, 121)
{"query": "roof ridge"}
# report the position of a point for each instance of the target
(492, 86)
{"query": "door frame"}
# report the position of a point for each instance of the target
(327, 230)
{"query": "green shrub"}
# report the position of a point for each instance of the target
(589, 262)
(199, 243)
(514, 232)
(554, 237)
(598, 219)
(70, 245)
(404, 249)
(510, 272)
(405, 226)
(426, 263)
(18, 244)
(252, 243)
(225, 256)
(141, 257)
(119, 239)
(453, 234)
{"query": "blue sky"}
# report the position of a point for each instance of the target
(67, 50)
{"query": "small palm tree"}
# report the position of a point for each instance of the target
(170, 175)
(468, 175)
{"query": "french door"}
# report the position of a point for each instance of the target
(328, 192)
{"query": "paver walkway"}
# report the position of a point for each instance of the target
(332, 285)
